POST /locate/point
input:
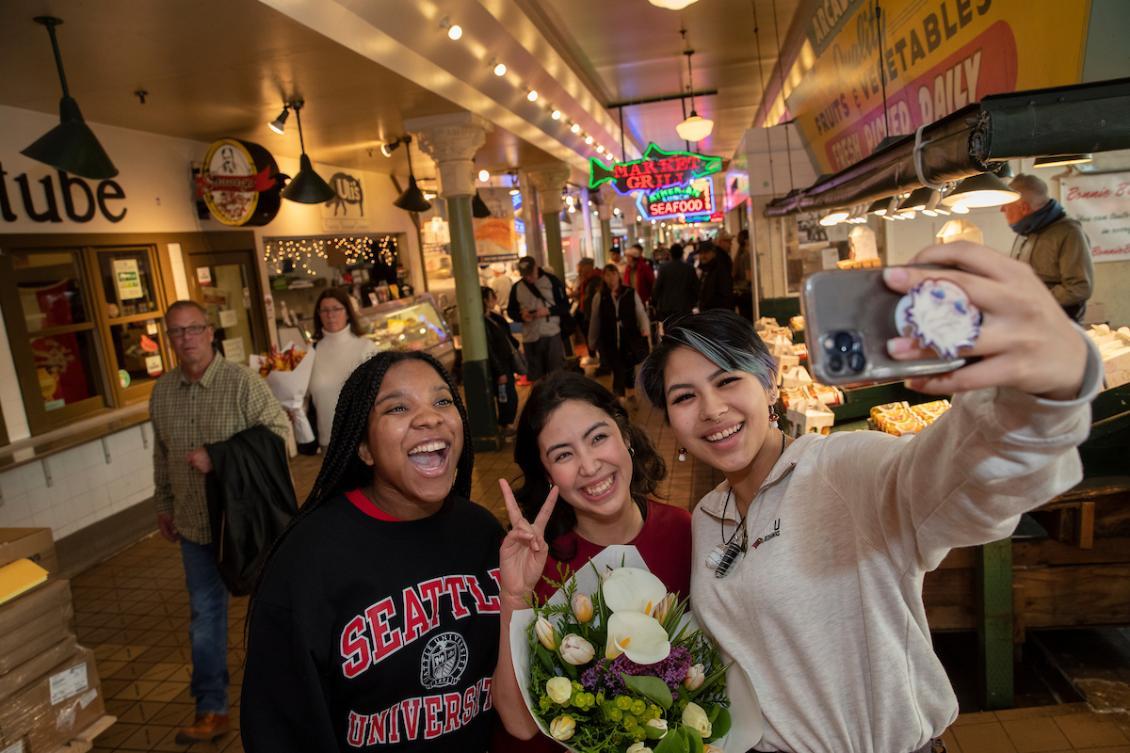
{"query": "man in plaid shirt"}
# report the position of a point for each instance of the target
(207, 399)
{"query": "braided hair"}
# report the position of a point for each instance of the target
(342, 469)
(648, 468)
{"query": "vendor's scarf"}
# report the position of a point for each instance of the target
(1040, 219)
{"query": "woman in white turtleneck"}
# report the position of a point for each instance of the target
(341, 348)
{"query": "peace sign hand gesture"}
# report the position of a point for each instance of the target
(523, 552)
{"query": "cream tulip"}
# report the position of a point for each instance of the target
(708, 748)
(696, 675)
(639, 636)
(695, 717)
(656, 729)
(631, 589)
(576, 650)
(546, 634)
(559, 690)
(664, 607)
(582, 607)
(637, 748)
(562, 728)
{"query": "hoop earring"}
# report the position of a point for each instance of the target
(682, 454)
(773, 417)
(631, 451)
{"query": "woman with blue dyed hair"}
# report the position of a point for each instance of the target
(808, 560)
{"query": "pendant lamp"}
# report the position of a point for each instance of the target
(917, 200)
(412, 200)
(70, 146)
(307, 187)
(695, 127)
(982, 190)
(672, 4)
(479, 208)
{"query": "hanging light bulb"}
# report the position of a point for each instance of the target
(70, 146)
(981, 190)
(454, 31)
(307, 187)
(695, 127)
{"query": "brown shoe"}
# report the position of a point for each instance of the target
(206, 728)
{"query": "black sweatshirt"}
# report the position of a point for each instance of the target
(375, 635)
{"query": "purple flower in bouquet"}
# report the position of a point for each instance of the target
(605, 674)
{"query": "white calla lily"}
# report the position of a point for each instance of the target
(632, 589)
(639, 636)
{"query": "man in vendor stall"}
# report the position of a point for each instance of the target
(205, 400)
(1052, 243)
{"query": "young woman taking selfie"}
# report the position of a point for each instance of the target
(809, 558)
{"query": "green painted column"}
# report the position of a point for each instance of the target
(452, 140)
(994, 623)
(553, 252)
(605, 240)
(550, 181)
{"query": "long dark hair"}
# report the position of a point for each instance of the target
(343, 298)
(648, 469)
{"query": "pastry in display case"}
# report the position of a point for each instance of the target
(410, 324)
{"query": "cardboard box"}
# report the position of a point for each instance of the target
(47, 713)
(34, 622)
(36, 667)
(36, 544)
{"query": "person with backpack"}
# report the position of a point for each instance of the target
(540, 302)
(620, 327)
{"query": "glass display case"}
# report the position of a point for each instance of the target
(410, 324)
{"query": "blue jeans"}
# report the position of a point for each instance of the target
(208, 630)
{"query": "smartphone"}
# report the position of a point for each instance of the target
(849, 315)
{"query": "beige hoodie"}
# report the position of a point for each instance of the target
(824, 616)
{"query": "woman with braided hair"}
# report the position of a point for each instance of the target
(376, 619)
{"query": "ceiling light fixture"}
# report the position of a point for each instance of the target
(454, 31)
(484, 175)
(979, 191)
(479, 208)
(695, 127)
(413, 199)
(278, 125)
(70, 146)
(672, 4)
(934, 206)
(556, 115)
(1062, 160)
(307, 187)
(575, 128)
(500, 69)
(532, 96)
(916, 201)
(514, 192)
(589, 140)
(879, 207)
(834, 217)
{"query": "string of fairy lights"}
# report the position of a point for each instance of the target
(354, 248)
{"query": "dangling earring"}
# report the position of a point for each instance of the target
(682, 454)
(631, 451)
(773, 417)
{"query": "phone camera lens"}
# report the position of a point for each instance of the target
(856, 362)
(844, 341)
(836, 363)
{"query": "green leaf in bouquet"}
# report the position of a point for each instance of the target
(673, 742)
(569, 670)
(651, 688)
(720, 722)
(694, 740)
(545, 658)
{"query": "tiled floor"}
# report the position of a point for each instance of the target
(133, 611)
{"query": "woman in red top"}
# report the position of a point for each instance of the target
(575, 440)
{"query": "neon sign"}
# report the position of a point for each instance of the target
(658, 168)
(695, 198)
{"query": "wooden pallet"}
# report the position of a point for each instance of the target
(84, 740)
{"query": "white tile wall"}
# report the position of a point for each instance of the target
(84, 487)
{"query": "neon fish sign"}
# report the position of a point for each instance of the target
(657, 169)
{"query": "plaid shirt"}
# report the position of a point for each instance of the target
(186, 415)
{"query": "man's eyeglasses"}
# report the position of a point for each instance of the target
(192, 329)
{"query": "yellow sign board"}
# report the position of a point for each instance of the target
(933, 57)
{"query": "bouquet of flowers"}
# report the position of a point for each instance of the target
(288, 376)
(612, 663)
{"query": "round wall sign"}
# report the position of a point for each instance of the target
(239, 183)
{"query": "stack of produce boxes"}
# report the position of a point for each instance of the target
(50, 692)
